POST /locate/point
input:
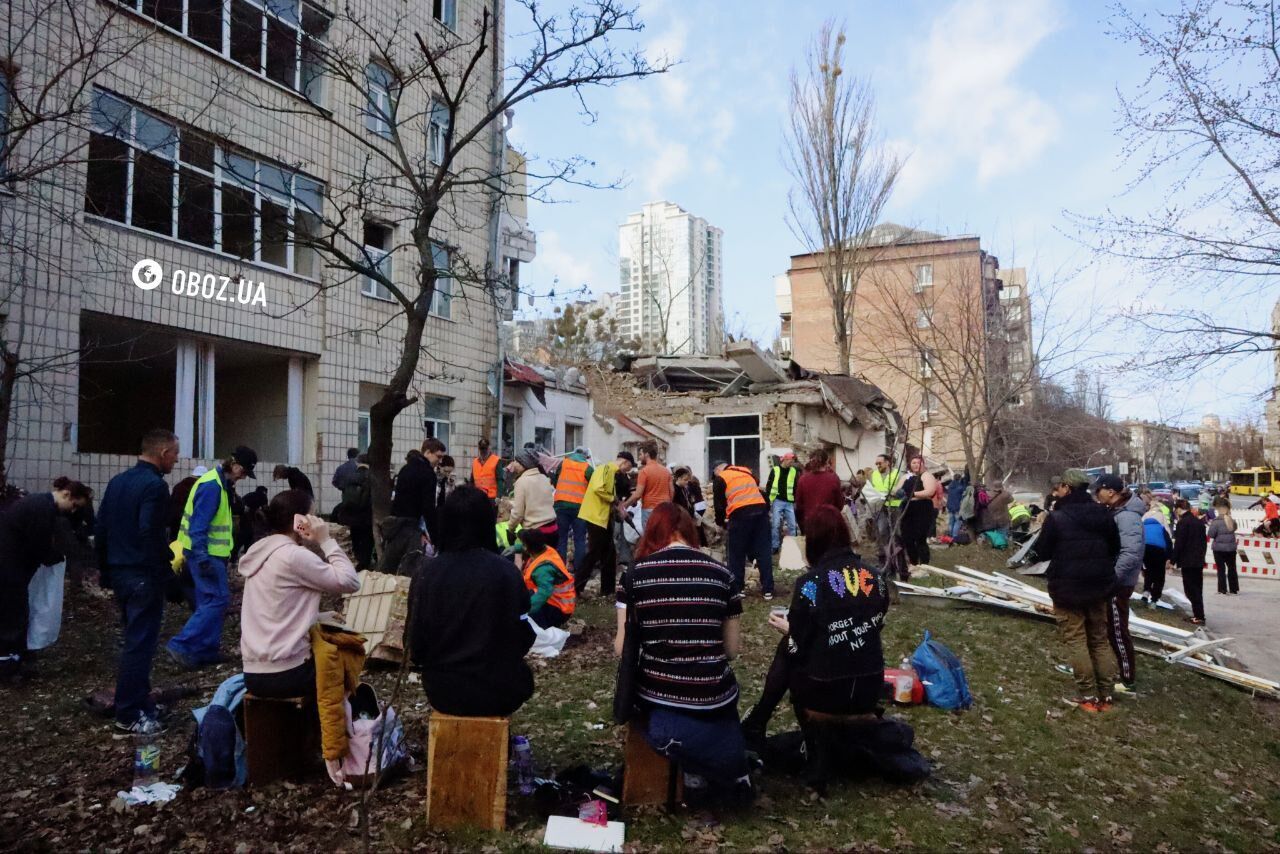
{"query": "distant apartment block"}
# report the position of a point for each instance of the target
(671, 277)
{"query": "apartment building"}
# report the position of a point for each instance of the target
(166, 281)
(671, 276)
(1162, 451)
(928, 306)
(1271, 412)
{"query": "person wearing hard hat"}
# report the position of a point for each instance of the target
(205, 536)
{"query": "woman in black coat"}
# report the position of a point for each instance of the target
(1188, 556)
(28, 540)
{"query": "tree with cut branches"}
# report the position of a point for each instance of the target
(1203, 128)
(428, 124)
(842, 172)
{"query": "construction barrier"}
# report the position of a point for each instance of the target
(1256, 556)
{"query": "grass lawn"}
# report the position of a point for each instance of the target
(1190, 764)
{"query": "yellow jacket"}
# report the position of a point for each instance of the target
(339, 657)
(597, 505)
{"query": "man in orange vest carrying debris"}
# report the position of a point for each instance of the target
(741, 508)
(486, 471)
(570, 480)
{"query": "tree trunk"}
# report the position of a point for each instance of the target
(8, 380)
(382, 417)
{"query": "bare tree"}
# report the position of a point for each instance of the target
(843, 175)
(1203, 127)
(1053, 431)
(574, 335)
(45, 116)
(428, 128)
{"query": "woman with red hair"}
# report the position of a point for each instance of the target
(687, 610)
(830, 657)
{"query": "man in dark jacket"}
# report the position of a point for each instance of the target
(413, 505)
(346, 471)
(296, 478)
(1081, 543)
(132, 540)
(1126, 509)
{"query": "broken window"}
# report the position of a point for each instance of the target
(545, 437)
(126, 384)
(734, 439)
(377, 246)
(446, 12)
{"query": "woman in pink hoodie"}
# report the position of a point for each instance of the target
(283, 582)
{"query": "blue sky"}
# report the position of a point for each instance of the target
(1006, 110)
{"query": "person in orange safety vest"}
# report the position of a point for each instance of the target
(550, 584)
(743, 512)
(570, 480)
(486, 471)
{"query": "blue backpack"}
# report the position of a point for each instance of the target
(217, 750)
(945, 685)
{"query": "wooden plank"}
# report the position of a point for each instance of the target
(646, 774)
(467, 772)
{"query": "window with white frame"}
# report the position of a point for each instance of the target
(437, 131)
(734, 439)
(924, 318)
(572, 436)
(381, 89)
(1010, 292)
(924, 277)
(928, 402)
(1013, 313)
(442, 299)
(147, 171)
(446, 12)
(435, 418)
(926, 363)
(281, 40)
(377, 248)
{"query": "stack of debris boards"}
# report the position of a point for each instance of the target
(1193, 650)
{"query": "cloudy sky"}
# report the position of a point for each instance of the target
(1006, 112)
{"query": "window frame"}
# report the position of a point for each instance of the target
(369, 286)
(220, 173)
(438, 132)
(433, 430)
(924, 318)
(442, 297)
(734, 438)
(445, 19)
(270, 10)
(379, 120)
(922, 282)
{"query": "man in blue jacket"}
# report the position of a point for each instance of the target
(132, 540)
(206, 539)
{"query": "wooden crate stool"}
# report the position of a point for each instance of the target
(282, 737)
(648, 777)
(467, 772)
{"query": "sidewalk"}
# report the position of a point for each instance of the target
(1248, 617)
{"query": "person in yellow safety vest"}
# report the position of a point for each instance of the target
(486, 471)
(205, 536)
(780, 489)
(742, 511)
(550, 584)
(1019, 516)
(885, 479)
(570, 480)
(508, 538)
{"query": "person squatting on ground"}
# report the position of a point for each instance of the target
(597, 513)
(919, 521)
(830, 657)
(132, 542)
(780, 490)
(283, 583)
(1188, 555)
(570, 482)
(553, 596)
(1126, 509)
(1222, 540)
(28, 540)
(1157, 548)
(206, 544)
(742, 511)
(686, 600)
(1081, 543)
(413, 505)
(468, 633)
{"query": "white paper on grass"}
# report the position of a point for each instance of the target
(577, 835)
(549, 642)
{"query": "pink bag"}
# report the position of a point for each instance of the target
(368, 723)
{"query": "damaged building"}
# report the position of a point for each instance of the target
(742, 409)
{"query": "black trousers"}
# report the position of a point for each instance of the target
(601, 553)
(1227, 578)
(1193, 586)
(297, 681)
(362, 545)
(852, 696)
(1153, 571)
(14, 615)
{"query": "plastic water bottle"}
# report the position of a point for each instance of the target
(904, 682)
(146, 759)
(524, 764)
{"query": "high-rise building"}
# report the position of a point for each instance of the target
(670, 270)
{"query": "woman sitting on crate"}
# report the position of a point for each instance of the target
(283, 582)
(468, 632)
(685, 608)
(830, 657)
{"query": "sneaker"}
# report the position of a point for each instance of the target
(768, 597)
(1065, 668)
(1105, 704)
(144, 725)
(1196, 621)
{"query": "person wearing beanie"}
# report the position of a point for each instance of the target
(532, 501)
(1081, 542)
